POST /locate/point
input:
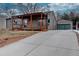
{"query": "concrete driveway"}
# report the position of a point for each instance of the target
(50, 43)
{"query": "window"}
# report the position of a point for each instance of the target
(17, 21)
(48, 20)
(25, 22)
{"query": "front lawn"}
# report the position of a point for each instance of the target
(7, 37)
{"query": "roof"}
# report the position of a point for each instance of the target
(29, 14)
(35, 13)
(3, 16)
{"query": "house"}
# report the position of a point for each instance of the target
(64, 25)
(40, 21)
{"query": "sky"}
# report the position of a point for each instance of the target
(58, 7)
(65, 7)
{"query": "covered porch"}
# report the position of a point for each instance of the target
(32, 21)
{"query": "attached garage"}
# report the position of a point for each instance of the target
(64, 25)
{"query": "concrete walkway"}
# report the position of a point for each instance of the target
(50, 43)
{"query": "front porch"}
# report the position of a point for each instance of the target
(32, 21)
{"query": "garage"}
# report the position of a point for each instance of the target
(63, 26)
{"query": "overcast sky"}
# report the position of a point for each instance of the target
(61, 7)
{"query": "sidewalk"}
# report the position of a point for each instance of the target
(48, 43)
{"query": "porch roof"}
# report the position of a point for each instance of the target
(38, 14)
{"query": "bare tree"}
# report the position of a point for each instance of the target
(11, 12)
(33, 7)
(25, 8)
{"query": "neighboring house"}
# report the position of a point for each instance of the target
(9, 24)
(33, 21)
(3, 22)
(64, 25)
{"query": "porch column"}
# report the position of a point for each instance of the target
(45, 23)
(41, 23)
(12, 22)
(31, 20)
(22, 23)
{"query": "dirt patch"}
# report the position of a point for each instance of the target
(13, 36)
